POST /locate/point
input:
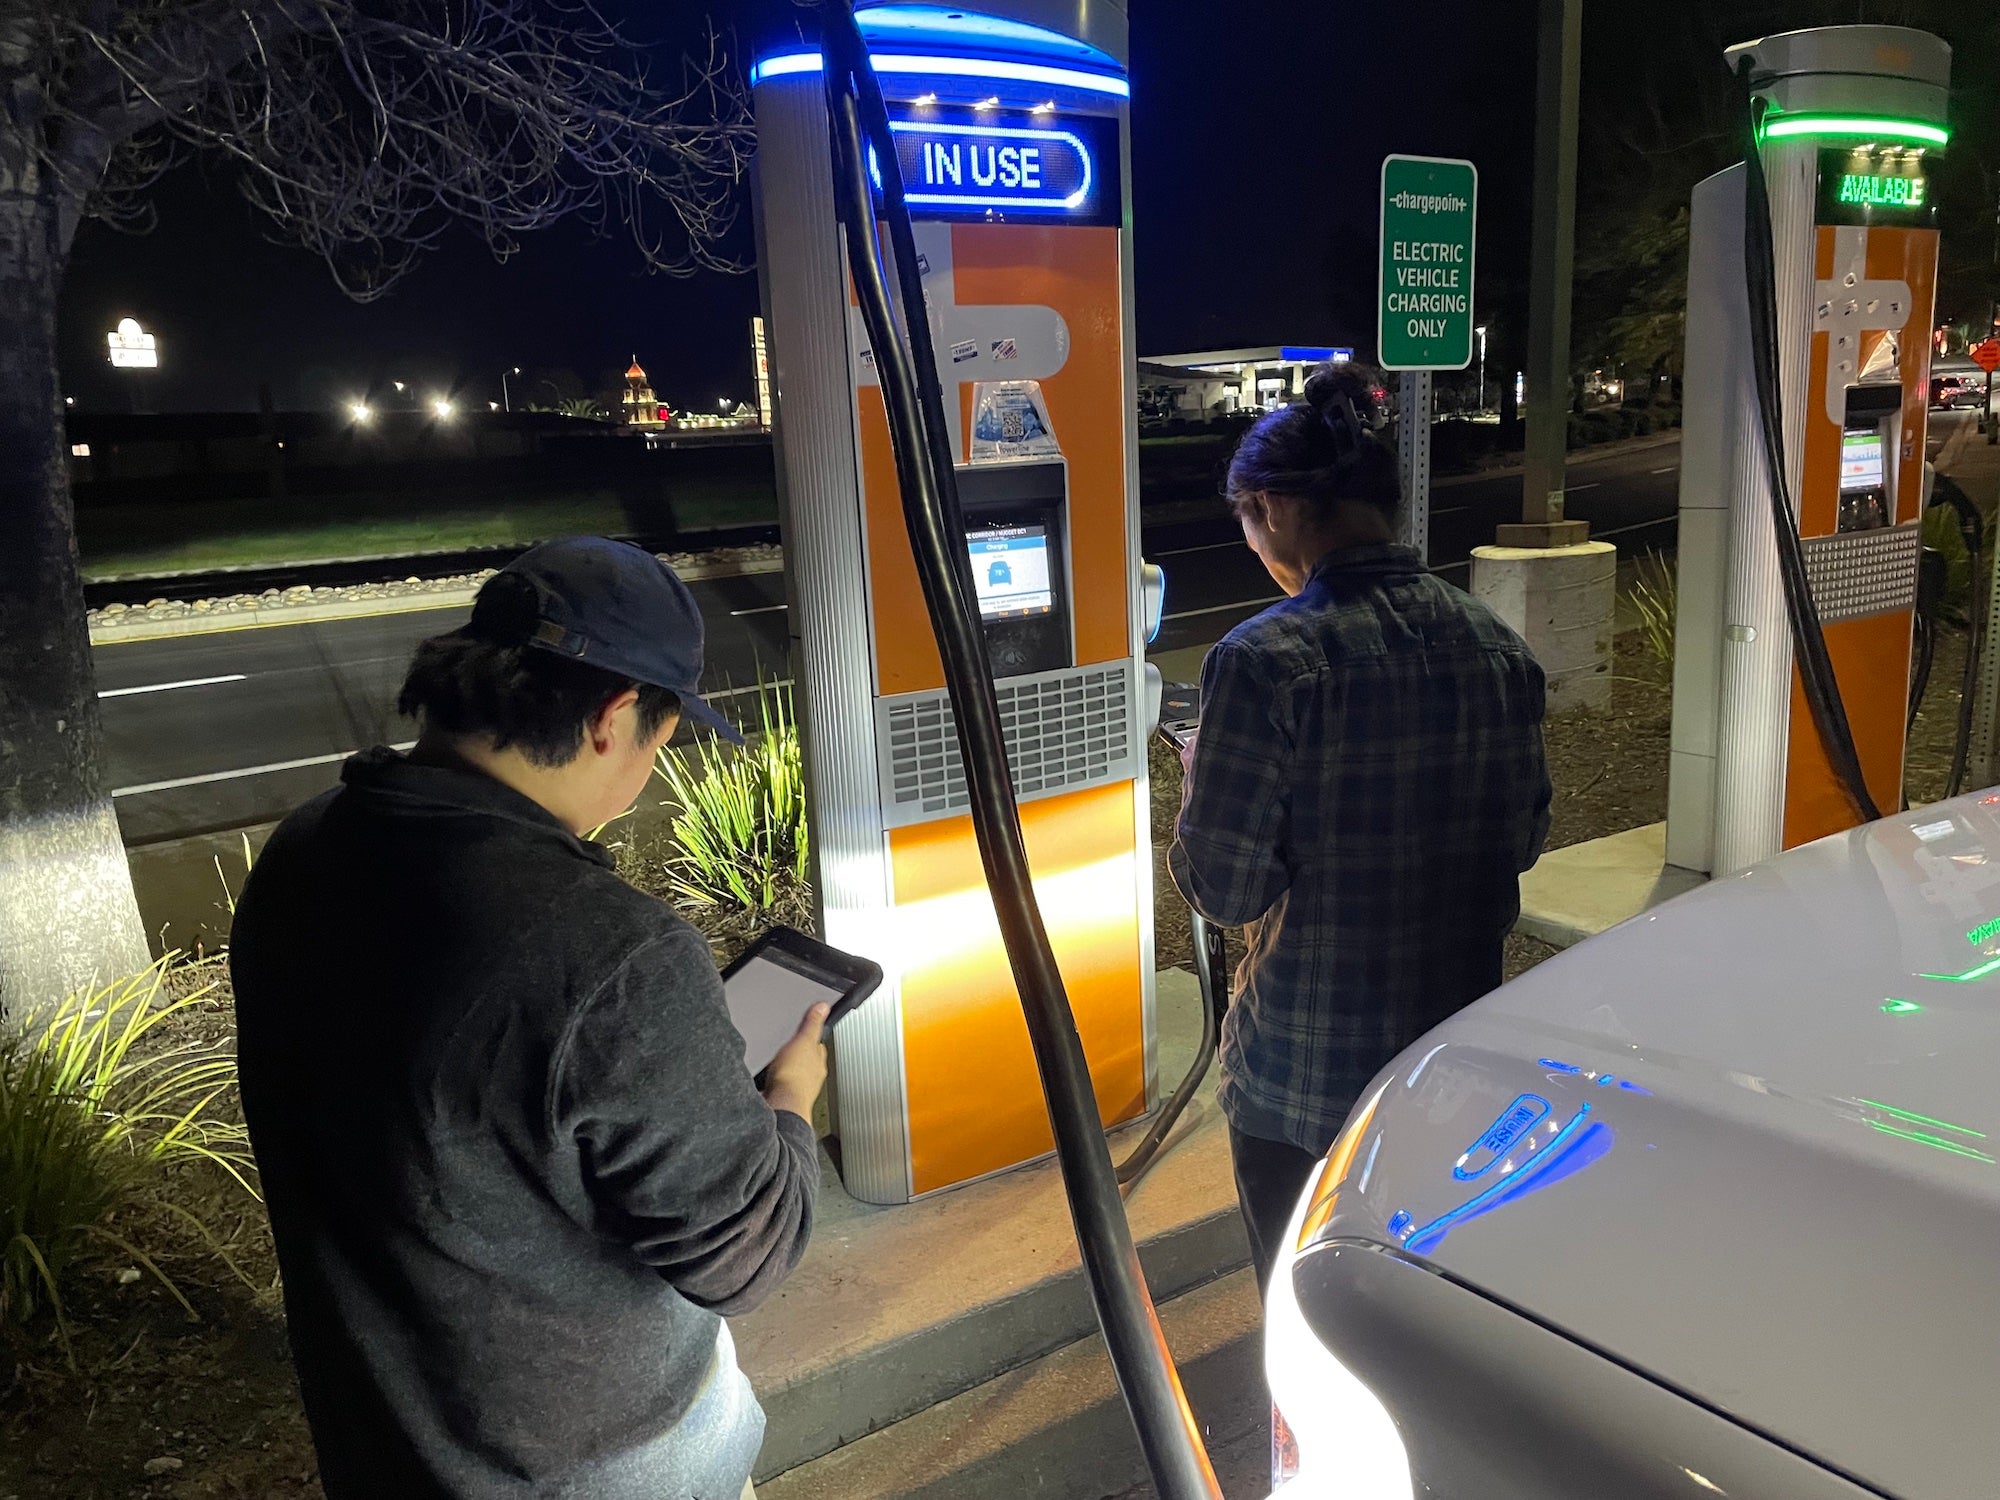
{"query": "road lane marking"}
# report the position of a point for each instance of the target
(766, 609)
(214, 776)
(1669, 469)
(1637, 526)
(167, 687)
(1578, 489)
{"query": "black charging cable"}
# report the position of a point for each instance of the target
(1168, 1435)
(1211, 971)
(1816, 673)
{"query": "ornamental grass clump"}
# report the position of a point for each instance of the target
(741, 845)
(104, 1101)
(1656, 598)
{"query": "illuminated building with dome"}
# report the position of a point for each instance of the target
(641, 408)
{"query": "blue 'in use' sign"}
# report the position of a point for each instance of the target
(1014, 165)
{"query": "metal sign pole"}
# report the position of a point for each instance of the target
(1413, 448)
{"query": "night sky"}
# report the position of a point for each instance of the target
(1258, 134)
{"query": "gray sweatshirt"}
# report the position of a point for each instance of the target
(514, 1164)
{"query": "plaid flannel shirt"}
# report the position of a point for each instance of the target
(1367, 787)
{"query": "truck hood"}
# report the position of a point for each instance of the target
(1745, 1144)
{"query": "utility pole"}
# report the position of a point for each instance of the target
(1558, 71)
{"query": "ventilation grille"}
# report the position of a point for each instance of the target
(1063, 730)
(1860, 573)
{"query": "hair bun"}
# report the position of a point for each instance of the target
(1339, 397)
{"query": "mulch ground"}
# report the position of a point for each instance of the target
(161, 1406)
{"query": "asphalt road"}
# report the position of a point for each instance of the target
(208, 732)
(1214, 582)
(227, 730)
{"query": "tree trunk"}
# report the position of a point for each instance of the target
(67, 912)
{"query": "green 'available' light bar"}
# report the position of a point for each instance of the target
(1780, 127)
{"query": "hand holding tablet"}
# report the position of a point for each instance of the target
(771, 985)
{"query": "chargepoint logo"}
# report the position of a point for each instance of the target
(1430, 203)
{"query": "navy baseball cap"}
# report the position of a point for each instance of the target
(610, 604)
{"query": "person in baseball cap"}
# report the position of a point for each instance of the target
(517, 1171)
(607, 604)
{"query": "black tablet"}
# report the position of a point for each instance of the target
(773, 983)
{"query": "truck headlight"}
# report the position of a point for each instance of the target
(1348, 1445)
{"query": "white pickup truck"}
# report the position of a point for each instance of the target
(1706, 1206)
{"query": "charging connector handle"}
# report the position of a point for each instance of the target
(1168, 1435)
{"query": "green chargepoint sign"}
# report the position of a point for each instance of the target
(1428, 210)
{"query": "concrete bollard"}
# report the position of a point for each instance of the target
(1562, 600)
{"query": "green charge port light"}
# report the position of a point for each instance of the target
(1855, 127)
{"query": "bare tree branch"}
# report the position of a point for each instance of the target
(365, 128)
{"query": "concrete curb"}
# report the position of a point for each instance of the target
(1056, 1428)
(1583, 889)
(259, 617)
(811, 1417)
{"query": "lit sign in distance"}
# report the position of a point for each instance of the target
(1873, 187)
(989, 165)
(132, 348)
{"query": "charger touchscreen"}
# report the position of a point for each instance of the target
(1010, 571)
(768, 997)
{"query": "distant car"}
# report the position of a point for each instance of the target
(1708, 1205)
(1957, 383)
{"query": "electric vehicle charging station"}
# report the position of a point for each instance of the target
(1852, 115)
(1011, 131)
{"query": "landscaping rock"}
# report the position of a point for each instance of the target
(273, 599)
(155, 1467)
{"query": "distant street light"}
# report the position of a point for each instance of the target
(493, 406)
(399, 385)
(506, 401)
(360, 411)
(69, 401)
(442, 408)
(132, 348)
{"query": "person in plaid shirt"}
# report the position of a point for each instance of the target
(1366, 788)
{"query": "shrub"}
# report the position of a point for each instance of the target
(1656, 597)
(1940, 530)
(740, 823)
(98, 1100)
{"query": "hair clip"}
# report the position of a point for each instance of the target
(1344, 422)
